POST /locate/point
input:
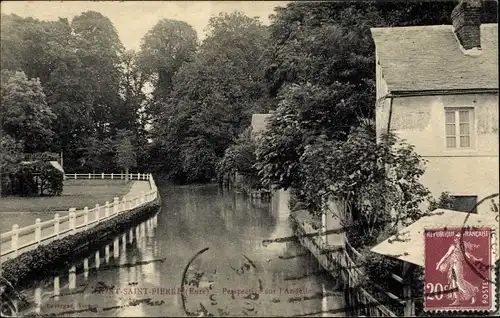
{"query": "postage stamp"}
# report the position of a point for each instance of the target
(459, 269)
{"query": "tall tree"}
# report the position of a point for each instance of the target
(321, 70)
(25, 114)
(213, 96)
(98, 49)
(164, 49)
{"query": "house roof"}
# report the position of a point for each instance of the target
(259, 122)
(409, 246)
(431, 58)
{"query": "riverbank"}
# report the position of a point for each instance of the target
(48, 260)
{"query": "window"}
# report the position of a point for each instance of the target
(464, 204)
(459, 127)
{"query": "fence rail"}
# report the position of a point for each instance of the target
(332, 260)
(107, 176)
(20, 240)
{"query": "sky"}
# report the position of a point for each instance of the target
(132, 19)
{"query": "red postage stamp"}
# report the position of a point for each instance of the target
(459, 273)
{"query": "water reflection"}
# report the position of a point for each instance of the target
(138, 272)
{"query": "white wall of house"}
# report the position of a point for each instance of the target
(471, 171)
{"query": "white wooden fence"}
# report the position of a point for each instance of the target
(20, 240)
(107, 176)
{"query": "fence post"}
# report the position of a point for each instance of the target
(38, 230)
(72, 220)
(97, 209)
(138, 176)
(86, 216)
(75, 176)
(115, 205)
(102, 175)
(56, 225)
(111, 175)
(125, 203)
(106, 210)
(143, 197)
(137, 202)
(14, 238)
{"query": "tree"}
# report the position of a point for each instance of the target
(213, 97)
(164, 49)
(125, 152)
(321, 72)
(240, 157)
(98, 49)
(97, 154)
(377, 183)
(25, 114)
(10, 157)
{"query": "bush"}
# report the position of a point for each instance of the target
(36, 178)
(241, 158)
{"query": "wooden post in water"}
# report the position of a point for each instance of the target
(137, 235)
(72, 277)
(38, 299)
(124, 241)
(116, 248)
(57, 288)
(106, 254)
(86, 268)
(97, 259)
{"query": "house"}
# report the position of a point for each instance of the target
(437, 88)
(259, 122)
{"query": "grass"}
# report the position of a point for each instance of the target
(76, 194)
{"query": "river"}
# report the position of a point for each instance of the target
(233, 274)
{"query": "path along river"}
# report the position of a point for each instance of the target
(237, 275)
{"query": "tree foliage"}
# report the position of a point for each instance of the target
(239, 157)
(25, 115)
(321, 71)
(89, 83)
(125, 152)
(212, 98)
(164, 49)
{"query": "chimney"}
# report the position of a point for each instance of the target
(466, 19)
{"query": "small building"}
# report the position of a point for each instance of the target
(259, 122)
(437, 88)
